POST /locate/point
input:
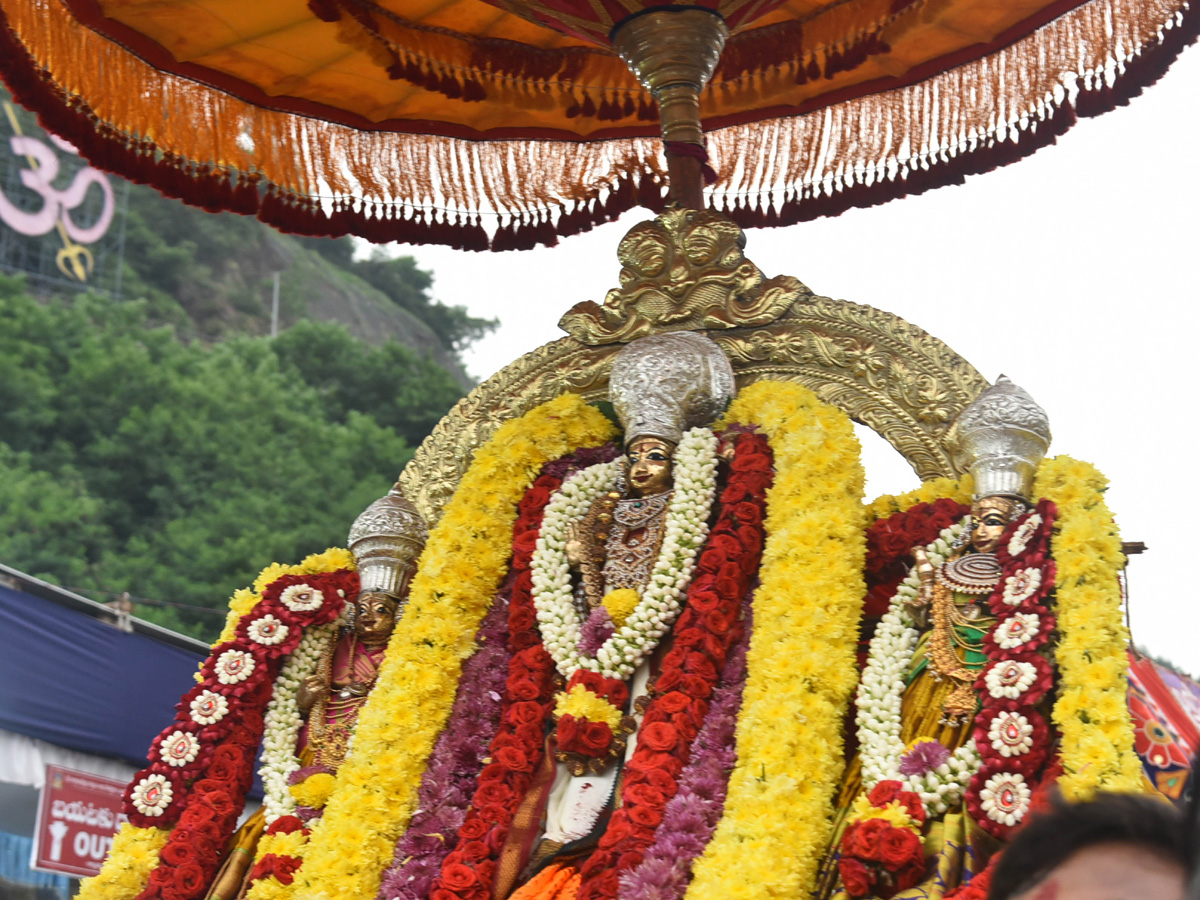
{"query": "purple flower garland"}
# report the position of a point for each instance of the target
(457, 758)
(454, 764)
(691, 816)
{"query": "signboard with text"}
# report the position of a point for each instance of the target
(78, 814)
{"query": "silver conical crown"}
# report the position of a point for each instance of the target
(663, 384)
(1005, 434)
(386, 541)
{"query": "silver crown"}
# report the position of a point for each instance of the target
(1005, 434)
(386, 541)
(663, 384)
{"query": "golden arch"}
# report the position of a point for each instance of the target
(685, 270)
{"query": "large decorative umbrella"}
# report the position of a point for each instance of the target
(506, 125)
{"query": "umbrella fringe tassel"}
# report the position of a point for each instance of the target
(304, 175)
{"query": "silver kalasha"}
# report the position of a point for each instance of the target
(386, 541)
(1005, 434)
(664, 384)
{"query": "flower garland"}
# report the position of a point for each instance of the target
(212, 744)
(452, 774)
(801, 662)
(937, 777)
(1090, 709)
(131, 860)
(890, 542)
(885, 505)
(186, 802)
(517, 750)
(688, 673)
(691, 816)
(881, 850)
(685, 529)
(283, 722)
(458, 575)
(1009, 732)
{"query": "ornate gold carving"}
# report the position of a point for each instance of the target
(884, 372)
(683, 271)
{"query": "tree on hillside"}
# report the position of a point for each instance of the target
(133, 461)
(408, 287)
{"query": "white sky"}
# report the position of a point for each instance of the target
(1069, 271)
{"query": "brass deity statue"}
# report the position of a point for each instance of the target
(659, 386)
(386, 541)
(1005, 434)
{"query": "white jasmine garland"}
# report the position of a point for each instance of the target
(882, 688)
(684, 532)
(282, 721)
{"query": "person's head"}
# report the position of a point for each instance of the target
(989, 517)
(649, 466)
(375, 616)
(1116, 847)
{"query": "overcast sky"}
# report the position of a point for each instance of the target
(1070, 271)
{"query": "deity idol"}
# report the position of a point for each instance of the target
(616, 551)
(962, 633)
(386, 540)
(616, 545)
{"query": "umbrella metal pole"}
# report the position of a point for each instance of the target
(673, 52)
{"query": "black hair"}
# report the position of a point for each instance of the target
(1050, 838)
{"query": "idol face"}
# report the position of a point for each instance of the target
(375, 618)
(989, 517)
(649, 466)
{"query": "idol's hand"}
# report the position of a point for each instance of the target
(574, 546)
(311, 689)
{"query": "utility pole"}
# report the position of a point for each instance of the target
(275, 306)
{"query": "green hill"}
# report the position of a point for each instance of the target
(157, 441)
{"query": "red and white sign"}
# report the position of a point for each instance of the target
(78, 814)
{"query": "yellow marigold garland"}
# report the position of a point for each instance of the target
(801, 666)
(1091, 709)
(463, 564)
(131, 859)
(134, 853)
(928, 492)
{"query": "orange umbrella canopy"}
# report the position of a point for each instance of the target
(503, 124)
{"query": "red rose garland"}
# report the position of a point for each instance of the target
(1012, 737)
(206, 756)
(879, 859)
(277, 865)
(703, 635)
(519, 746)
(890, 543)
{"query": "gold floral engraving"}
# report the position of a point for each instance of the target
(884, 372)
(684, 271)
